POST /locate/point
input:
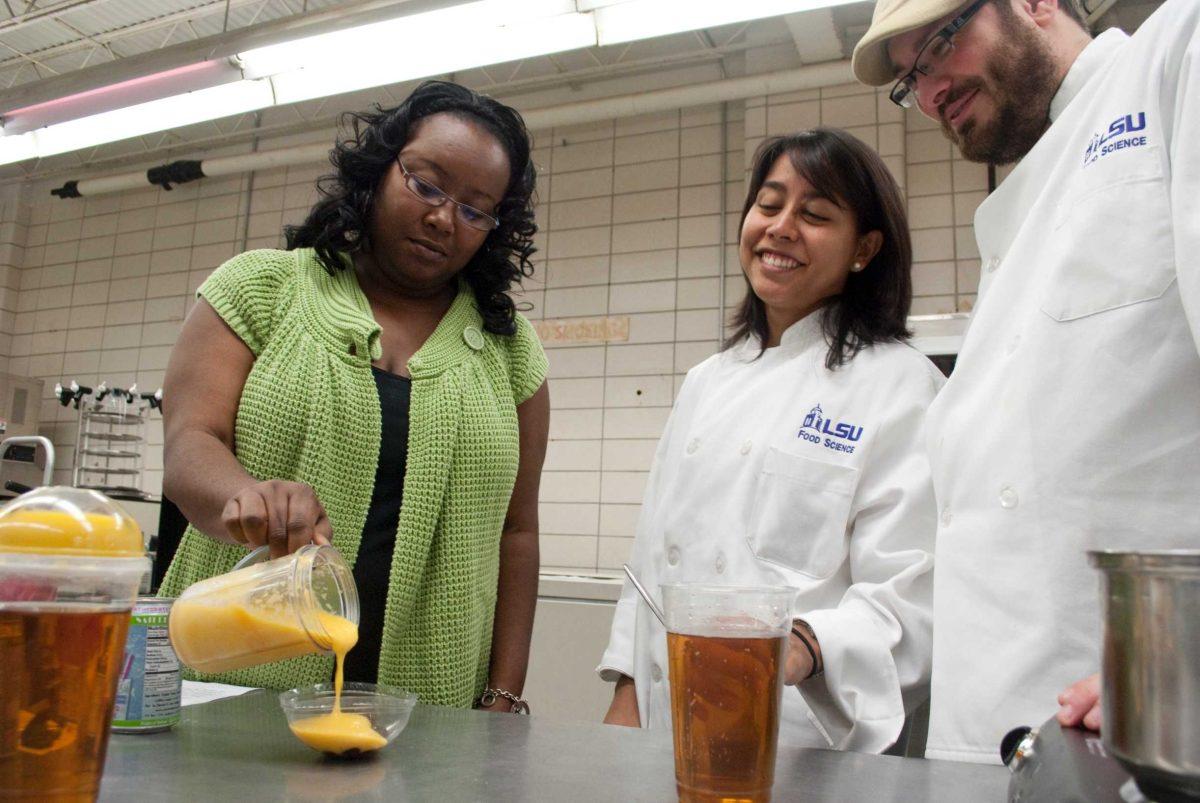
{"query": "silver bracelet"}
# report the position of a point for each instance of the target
(489, 696)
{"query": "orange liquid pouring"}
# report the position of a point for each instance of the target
(216, 638)
(338, 731)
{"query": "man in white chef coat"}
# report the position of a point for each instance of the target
(1072, 420)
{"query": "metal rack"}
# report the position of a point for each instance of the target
(111, 437)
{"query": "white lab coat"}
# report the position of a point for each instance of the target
(747, 488)
(1072, 420)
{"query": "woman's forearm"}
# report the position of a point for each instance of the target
(624, 707)
(200, 475)
(203, 386)
(516, 600)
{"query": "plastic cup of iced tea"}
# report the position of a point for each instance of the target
(71, 562)
(726, 649)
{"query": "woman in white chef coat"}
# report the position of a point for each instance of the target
(794, 456)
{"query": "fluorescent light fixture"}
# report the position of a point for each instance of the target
(644, 19)
(459, 37)
(433, 54)
(17, 148)
(592, 5)
(143, 89)
(456, 28)
(144, 118)
(156, 115)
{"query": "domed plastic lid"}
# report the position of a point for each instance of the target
(69, 521)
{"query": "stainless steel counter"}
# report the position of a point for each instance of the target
(240, 749)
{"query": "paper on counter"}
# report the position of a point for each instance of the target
(195, 692)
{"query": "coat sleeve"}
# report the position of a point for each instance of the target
(1182, 96)
(619, 656)
(876, 643)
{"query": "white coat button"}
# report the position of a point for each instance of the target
(693, 446)
(673, 555)
(720, 564)
(993, 264)
(1013, 344)
(946, 517)
(746, 447)
(656, 673)
(1008, 497)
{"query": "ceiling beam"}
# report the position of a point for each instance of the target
(31, 15)
(108, 37)
(815, 35)
(1093, 15)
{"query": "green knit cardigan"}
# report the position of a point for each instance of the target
(309, 412)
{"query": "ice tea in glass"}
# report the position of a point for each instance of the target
(71, 562)
(60, 665)
(726, 651)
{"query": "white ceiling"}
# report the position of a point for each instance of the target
(43, 40)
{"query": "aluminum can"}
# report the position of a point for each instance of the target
(149, 685)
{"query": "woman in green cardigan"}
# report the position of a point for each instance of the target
(373, 387)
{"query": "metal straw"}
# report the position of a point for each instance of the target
(650, 603)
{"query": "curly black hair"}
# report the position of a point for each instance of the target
(873, 306)
(338, 223)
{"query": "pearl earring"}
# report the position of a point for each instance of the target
(856, 267)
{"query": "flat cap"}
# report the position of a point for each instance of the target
(870, 61)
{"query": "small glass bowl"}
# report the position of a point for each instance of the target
(387, 707)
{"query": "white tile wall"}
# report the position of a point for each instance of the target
(631, 212)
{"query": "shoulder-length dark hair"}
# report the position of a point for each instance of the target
(339, 222)
(873, 307)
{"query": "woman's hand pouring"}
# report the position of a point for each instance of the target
(284, 515)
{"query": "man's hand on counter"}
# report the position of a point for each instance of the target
(1081, 704)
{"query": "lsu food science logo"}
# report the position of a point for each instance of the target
(822, 430)
(1121, 133)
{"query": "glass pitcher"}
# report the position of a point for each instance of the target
(264, 611)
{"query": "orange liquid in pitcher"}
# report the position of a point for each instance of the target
(59, 667)
(217, 638)
(725, 698)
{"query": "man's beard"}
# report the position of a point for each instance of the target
(1017, 80)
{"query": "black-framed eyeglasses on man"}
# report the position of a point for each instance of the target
(433, 195)
(931, 55)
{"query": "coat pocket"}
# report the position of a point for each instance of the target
(1112, 242)
(801, 513)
